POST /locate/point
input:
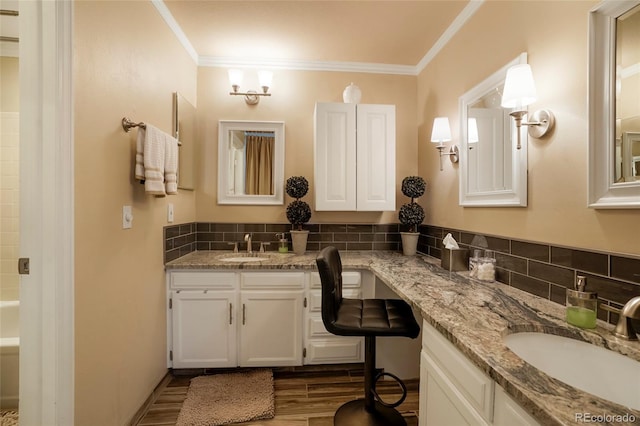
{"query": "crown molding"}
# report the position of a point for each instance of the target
(173, 24)
(292, 64)
(469, 10)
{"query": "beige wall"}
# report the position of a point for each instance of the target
(126, 63)
(294, 96)
(555, 37)
(9, 182)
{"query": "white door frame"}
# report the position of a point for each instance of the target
(46, 213)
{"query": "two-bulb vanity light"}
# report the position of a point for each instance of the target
(251, 97)
(520, 91)
(442, 133)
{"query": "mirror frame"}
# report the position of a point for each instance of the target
(186, 166)
(515, 197)
(603, 191)
(224, 127)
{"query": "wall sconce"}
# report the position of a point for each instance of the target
(520, 91)
(442, 133)
(251, 97)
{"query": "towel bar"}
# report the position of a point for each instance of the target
(127, 124)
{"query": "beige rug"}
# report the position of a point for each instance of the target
(221, 399)
(9, 418)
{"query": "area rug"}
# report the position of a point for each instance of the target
(221, 399)
(9, 418)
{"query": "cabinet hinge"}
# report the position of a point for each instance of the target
(305, 302)
(170, 355)
(304, 352)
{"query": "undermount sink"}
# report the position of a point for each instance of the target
(244, 259)
(585, 366)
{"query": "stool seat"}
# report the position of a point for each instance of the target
(369, 318)
(374, 317)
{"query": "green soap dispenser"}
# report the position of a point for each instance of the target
(283, 243)
(582, 306)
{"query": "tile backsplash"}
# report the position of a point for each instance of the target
(545, 270)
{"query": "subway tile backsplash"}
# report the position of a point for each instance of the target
(542, 269)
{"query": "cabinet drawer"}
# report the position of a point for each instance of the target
(477, 387)
(350, 279)
(315, 297)
(271, 280)
(202, 279)
(336, 350)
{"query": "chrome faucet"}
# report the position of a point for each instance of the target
(247, 238)
(624, 328)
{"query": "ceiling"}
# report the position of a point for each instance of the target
(285, 33)
(373, 32)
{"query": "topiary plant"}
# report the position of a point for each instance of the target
(412, 214)
(298, 212)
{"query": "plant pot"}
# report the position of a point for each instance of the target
(409, 242)
(299, 241)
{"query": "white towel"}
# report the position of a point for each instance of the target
(156, 161)
(171, 166)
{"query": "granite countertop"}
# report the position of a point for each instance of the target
(474, 316)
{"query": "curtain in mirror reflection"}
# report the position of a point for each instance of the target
(259, 173)
(251, 160)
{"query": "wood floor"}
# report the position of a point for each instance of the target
(304, 396)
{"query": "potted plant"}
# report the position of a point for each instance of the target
(298, 212)
(411, 214)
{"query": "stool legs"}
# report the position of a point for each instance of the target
(367, 411)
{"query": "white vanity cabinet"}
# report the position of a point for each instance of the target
(354, 153)
(321, 346)
(201, 319)
(229, 319)
(454, 391)
(270, 327)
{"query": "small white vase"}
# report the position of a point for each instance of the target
(409, 242)
(299, 241)
(351, 94)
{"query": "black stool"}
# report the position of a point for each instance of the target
(368, 318)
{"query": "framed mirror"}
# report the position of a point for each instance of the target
(250, 162)
(184, 129)
(493, 172)
(614, 109)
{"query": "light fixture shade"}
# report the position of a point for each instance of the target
(472, 130)
(519, 88)
(235, 77)
(265, 78)
(441, 131)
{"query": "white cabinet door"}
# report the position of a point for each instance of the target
(507, 412)
(270, 328)
(354, 153)
(376, 157)
(204, 329)
(441, 403)
(335, 156)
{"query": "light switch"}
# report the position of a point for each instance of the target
(127, 217)
(170, 213)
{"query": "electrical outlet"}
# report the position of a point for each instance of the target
(127, 217)
(170, 213)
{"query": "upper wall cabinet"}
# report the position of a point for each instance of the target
(355, 157)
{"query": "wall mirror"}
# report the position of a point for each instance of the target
(614, 105)
(250, 162)
(493, 172)
(184, 129)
